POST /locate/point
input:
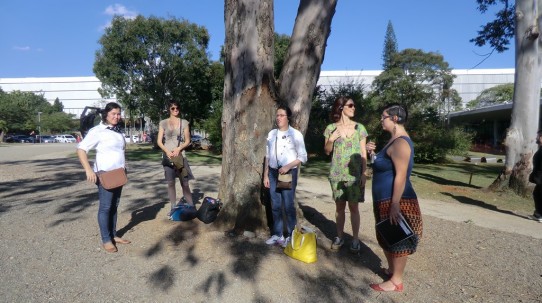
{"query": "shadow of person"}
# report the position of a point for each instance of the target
(141, 215)
(328, 228)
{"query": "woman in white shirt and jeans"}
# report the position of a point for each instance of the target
(285, 152)
(109, 143)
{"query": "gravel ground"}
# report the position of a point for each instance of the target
(50, 248)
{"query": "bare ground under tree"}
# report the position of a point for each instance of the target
(50, 248)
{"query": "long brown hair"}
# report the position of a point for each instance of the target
(337, 108)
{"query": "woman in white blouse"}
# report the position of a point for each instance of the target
(109, 143)
(285, 152)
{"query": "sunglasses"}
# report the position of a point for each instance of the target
(350, 105)
(174, 108)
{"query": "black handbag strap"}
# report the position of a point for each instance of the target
(181, 134)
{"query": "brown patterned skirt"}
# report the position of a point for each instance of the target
(411, 211)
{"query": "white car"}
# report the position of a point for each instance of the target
(65, 139)
(135, 138)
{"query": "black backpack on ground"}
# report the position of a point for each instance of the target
(208, 211)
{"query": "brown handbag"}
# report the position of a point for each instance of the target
(284, 181)
(113, 179)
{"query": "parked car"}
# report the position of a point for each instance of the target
(135, 138)
(46, 139)
(22, 139)
(195, 141)
(196, 138)
(65, 139)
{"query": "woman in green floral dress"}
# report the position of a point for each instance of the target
(346, 139)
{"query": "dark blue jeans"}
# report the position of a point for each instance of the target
(280, 197)
(107, 212)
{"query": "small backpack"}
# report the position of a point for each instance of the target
(183, 212)
(208, 211)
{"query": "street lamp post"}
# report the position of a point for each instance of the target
(39, 125)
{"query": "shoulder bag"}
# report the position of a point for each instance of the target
(113, 178)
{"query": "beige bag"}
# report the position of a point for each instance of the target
(113, 179)
(284, 181)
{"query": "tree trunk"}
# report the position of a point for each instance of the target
(305, 55)
(250, 97)
(520, 137)
(249, 110)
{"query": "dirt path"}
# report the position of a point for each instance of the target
(50, 250)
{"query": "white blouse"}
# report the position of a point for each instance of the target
(109, 145)
(289, 147)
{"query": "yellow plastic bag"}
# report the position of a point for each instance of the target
(302, 245)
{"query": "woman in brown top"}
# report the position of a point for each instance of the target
(174, 138)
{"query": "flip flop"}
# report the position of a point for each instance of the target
(397, 287)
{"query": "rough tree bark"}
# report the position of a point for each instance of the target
(520, 137)
(305, 55)
(250, 96)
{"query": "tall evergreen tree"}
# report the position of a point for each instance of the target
(390, 47)
(57, 106)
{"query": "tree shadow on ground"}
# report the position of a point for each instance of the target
(442, 181)
(329, 230)
(140, 215)
(482, 204)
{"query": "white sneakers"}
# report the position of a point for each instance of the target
(276, 240)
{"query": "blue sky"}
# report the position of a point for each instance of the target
(58, 38)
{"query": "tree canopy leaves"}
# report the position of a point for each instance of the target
(146, 62)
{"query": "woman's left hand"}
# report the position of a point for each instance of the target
(283, 170)
(395, 213)
(174, 153)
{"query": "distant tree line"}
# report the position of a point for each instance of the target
(19, 114)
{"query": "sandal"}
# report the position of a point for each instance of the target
(396, 288)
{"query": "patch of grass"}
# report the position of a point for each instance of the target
(466, 183)
(146, 152)
(203, 157)
(316, 167)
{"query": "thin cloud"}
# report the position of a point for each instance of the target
(117, 10)
(22, 48)
(120, 10)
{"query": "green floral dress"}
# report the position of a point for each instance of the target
(346, 165)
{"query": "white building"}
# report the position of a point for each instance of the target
(74, 92)
(469, 83)
(77, 92)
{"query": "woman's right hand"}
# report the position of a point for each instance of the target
(335, 135)
(370, 147)
(91, 176)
